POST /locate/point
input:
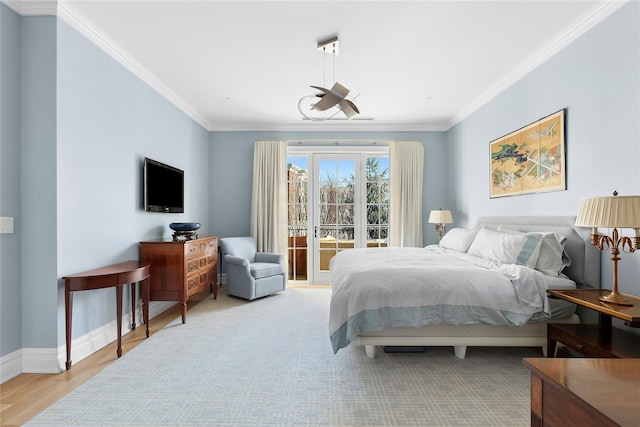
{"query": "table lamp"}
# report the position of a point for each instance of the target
(440, 218)
(612, 212)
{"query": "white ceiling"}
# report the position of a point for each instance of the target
(416, 65)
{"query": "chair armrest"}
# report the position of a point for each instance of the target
(267, 257)
(236, 260)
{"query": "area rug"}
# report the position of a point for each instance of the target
(269, 362)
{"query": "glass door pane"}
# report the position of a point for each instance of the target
(297, 204)
(377, 200)
(336, 225)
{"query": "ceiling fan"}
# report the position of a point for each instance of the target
(327, 99)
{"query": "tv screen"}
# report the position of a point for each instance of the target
(163, 187)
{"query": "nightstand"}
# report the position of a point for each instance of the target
(601, 339)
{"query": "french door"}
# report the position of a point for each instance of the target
(337, 216)
(337, 201)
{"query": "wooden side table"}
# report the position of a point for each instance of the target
(115, 275)
(584, 392)
(601, 339)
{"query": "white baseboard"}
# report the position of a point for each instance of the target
(52, 360)
(10, 366)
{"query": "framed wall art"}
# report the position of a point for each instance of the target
(529, 160)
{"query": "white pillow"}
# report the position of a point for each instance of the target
(458, 239)
(552, 258)
(506, 248)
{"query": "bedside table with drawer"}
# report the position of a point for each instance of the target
(601, 339)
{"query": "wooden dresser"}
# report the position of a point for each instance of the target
(180, 269)
(584, 392)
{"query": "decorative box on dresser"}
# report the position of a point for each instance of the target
(181, 268)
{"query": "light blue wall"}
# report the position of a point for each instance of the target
(597, 79)
(10, 244)
(38, 183)
(108, 121)
(73, 146)
(232, 165)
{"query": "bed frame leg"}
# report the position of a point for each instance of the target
(370, 351)
(544, 351)
(460, 351)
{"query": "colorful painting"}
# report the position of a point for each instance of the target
(529, 160)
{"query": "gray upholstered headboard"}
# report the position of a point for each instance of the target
(585, 258)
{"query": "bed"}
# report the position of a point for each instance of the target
(383, 298)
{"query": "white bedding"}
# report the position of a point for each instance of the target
(408, 287)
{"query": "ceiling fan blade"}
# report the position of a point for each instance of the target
(331, 96)
(348, 108)
(340, 90)
(329, 99)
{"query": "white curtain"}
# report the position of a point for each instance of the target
(406, 160)
(269, 196)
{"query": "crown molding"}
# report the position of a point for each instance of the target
(66, 12)
(538, 58)
(84, 26)
(32, 7)
(348, 126)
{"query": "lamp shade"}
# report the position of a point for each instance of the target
(440, 217)
(610, 212)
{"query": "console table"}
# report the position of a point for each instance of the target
(584, 392)
(601, 339)
(115, 275)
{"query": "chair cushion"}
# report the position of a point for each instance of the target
(264, 269)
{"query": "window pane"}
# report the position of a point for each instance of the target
(345, 214)
(346, 192)
(346, 233)
(373, 193)
(373, 233)
(373, 214)
(328, 234)
(328, 214)
(345, 170)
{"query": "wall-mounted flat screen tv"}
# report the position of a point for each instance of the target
(163, 187)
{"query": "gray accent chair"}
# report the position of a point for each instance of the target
(251, 274)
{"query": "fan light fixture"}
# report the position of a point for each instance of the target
(328, 101)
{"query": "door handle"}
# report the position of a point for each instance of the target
(315, 231)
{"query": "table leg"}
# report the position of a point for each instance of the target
(119, 317)
(184, 312)
(605, 319)
(68, 304)
(133, 306)
(144, 290)
(551, 347)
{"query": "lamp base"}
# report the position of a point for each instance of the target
(616, 298)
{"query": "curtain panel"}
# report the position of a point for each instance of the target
(269, 196)
(406, 159)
